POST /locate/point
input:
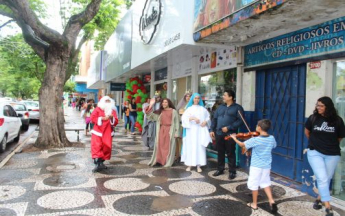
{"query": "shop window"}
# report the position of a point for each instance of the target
(179, 88)
(212, 86)
(339, 102)
(162, 89)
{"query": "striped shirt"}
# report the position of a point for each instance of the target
(261, 151)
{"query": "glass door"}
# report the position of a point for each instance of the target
(339, 102)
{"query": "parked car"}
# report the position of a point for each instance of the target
(33, 108)
(10, 125)
(22, 109)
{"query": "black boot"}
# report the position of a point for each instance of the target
(98, 166)
(102, 164)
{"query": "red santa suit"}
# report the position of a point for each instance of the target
(101, 139)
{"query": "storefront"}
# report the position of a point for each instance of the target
(290, 73)
(217, 71)
(164, 50)
(85, 93)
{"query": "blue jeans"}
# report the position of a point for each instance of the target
(133, 120)
(127, 121)
(323, 167)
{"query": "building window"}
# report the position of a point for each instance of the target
(212, 86)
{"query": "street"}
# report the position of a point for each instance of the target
(24, 134)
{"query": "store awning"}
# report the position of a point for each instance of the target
(273, 18)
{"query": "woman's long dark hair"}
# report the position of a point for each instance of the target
(170, 104)
(132, 101)
(331, 114)
(89, 107)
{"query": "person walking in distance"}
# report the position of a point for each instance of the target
(87, 116)
(260, 166)
(133, 114)
(324, 129)
(103, 118)
(226, 120)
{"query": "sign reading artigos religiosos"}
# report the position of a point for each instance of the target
(149, 20)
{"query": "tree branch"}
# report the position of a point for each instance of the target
(76, 22)
(22, 12)
(6, 23)
(40, 47)
(6, 13)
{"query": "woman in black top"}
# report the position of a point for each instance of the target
(324, 129)
(133, 114)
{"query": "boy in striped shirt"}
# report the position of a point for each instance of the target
(260, 166)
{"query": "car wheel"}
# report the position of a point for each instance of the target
(18, 137)
(3, 144)
(25, 127)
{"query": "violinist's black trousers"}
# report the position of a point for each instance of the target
(228, 147)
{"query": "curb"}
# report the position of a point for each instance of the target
(17, 149)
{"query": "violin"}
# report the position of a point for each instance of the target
(244, 136)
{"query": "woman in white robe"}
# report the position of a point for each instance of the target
(195, 120)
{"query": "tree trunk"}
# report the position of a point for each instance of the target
(51, 125)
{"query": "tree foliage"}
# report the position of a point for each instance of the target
(100, 28)
(129, 3)
(21, 70)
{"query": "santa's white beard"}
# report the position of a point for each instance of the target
(108, 109)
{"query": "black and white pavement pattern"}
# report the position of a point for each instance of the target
(60, 182)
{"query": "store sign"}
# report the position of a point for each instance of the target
(211, 16)
(117, 87)
(217, 59)
(147, 78)
(118, 50)
(315, 65)
(149, 20)
(325, 38)
(161, 74)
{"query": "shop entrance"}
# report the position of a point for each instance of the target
(280, 97)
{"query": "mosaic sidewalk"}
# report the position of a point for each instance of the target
(60, 182)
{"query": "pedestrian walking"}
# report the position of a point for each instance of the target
(133, 115)
(125, 110)
(87, 116)
(167, 129)
(226, 120)
(324, 130)
(104, 117)
(194, 121)
(260, 166)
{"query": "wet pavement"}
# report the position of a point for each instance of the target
(60, 182)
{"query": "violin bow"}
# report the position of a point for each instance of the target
(244, 121)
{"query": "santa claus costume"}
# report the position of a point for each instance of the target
(103, 118)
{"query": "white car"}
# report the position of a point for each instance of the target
(10, 124)
(34, 109)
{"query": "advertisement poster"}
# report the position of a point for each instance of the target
(210, 18)
(221, 58)
(207, 12)
(325, 38)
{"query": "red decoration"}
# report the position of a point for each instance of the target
(138, 100)
(140, 109)
(135, 88)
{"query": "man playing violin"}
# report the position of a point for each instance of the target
(226, 120)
